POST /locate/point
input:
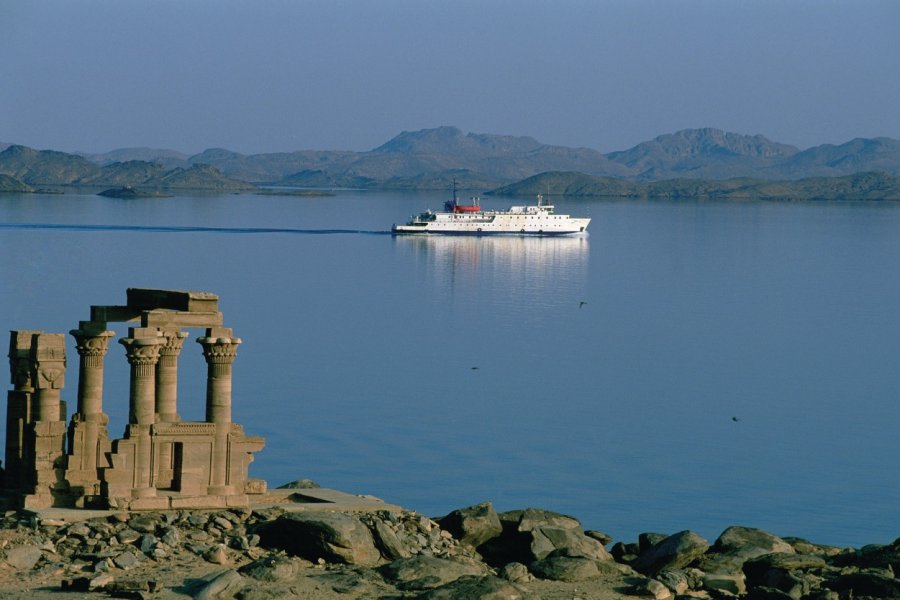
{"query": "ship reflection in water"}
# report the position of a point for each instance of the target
(518, 269)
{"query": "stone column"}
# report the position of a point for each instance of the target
(88, 427)
(48, 351)
(167, 401)
(219, 350)
(91, 344)
(142, 349)
(18, 408)
(48, 357)
(167, 377)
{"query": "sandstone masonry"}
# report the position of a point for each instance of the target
(161, 462)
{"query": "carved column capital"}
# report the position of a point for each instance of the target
(20, 361)
(92, 344)
(48, 353)
(219, 350)
(142, 351)
(172, 343)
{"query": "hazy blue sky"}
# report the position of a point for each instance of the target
(350, 74)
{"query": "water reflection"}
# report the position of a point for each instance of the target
(466, 256)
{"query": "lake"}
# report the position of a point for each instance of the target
(688, 365)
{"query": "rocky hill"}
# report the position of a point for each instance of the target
(11, 184)
(432, 158)
(48, 167)
(859, 186)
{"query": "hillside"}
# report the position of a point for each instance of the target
(432, 158)
(48, 167)
(11, 184)
(859, 186)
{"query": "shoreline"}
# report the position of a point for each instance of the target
(302, 541)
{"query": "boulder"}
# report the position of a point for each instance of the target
(23, 558)
(271, 568)
(647, 540)
(674, 579)
(473, 525)
(334, 537)
(220, 586)
(865, 584)
(425, 572)
(737, 545)
(733, 583)
(471, 587)
(675, 552)
(532, 534)
(387, 541)
(545, 540)
(565, 568)
(603, 538)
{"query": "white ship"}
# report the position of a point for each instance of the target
(459, 218)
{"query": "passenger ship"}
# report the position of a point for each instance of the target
(460, 218)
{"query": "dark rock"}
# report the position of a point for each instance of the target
(737, 545)
(515, 572)
(732, 583)
(674, 579)
(565, 568)
(425, 572)
(865, 584)
(270, 568)
(473, 525)
(676, 551)
(387, 541)
(623, 552)
(335, 537)
(758, 569)
(603, 538)
(647, 540)
(767, 593)
(536, 517)
(471, 587)
(300, 484)
(547, 539)
(143, 523)
(220, 586)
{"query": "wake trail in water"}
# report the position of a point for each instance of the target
(189, 229)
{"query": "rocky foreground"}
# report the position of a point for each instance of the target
(470, 554)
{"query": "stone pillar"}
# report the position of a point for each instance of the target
(48, 351)
(87, 431)
(91, 344)
(142, 350)
(48, 357)
(167, 377)
(167, 401)
(18, 409)
(219, 350)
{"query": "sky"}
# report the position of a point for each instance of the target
(278, 76)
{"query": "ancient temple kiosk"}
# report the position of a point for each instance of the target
(161, 462)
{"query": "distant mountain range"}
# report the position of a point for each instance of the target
(432, 158)
(859, 186)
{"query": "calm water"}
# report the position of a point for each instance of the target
(359, 355)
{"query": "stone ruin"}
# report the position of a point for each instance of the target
(161, 462)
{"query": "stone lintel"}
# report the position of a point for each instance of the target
(189, 301)
(174, 319)
(114, 314)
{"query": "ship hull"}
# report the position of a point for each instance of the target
(495, 224)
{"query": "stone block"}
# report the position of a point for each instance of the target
(255, 486)
(188, 502)
(157, 503)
